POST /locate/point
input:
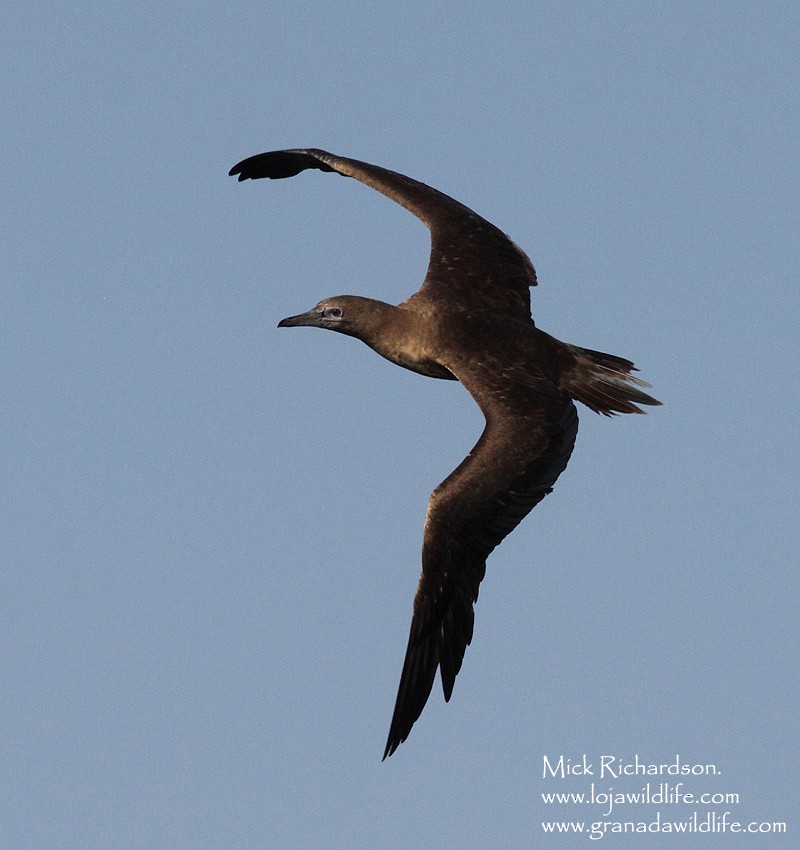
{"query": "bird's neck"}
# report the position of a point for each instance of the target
(405, 337)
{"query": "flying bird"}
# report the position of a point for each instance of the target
(470, 321)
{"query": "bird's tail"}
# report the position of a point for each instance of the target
(604, 382)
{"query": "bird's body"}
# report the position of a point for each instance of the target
(470, 321)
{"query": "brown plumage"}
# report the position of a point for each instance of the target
(470, 321)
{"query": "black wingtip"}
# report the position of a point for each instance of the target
(395, 739)
(393, 742)
(276, 165)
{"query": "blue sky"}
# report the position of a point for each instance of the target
(211, 528)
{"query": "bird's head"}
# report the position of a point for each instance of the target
(346, 314)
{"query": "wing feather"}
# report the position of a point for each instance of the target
(527, 442)
(473, 264)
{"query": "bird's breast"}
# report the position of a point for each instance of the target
(418, 359)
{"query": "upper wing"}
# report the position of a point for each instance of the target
(528, 439)
(472, 262)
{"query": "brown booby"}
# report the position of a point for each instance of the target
(470, 321)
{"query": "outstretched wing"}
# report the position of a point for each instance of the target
(528, 439)
(473, 264)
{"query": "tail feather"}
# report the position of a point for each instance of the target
(603, 382)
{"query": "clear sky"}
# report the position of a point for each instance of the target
(210, 528)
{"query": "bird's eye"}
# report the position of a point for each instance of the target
(332, 313)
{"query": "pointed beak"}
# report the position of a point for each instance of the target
(309, 319)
